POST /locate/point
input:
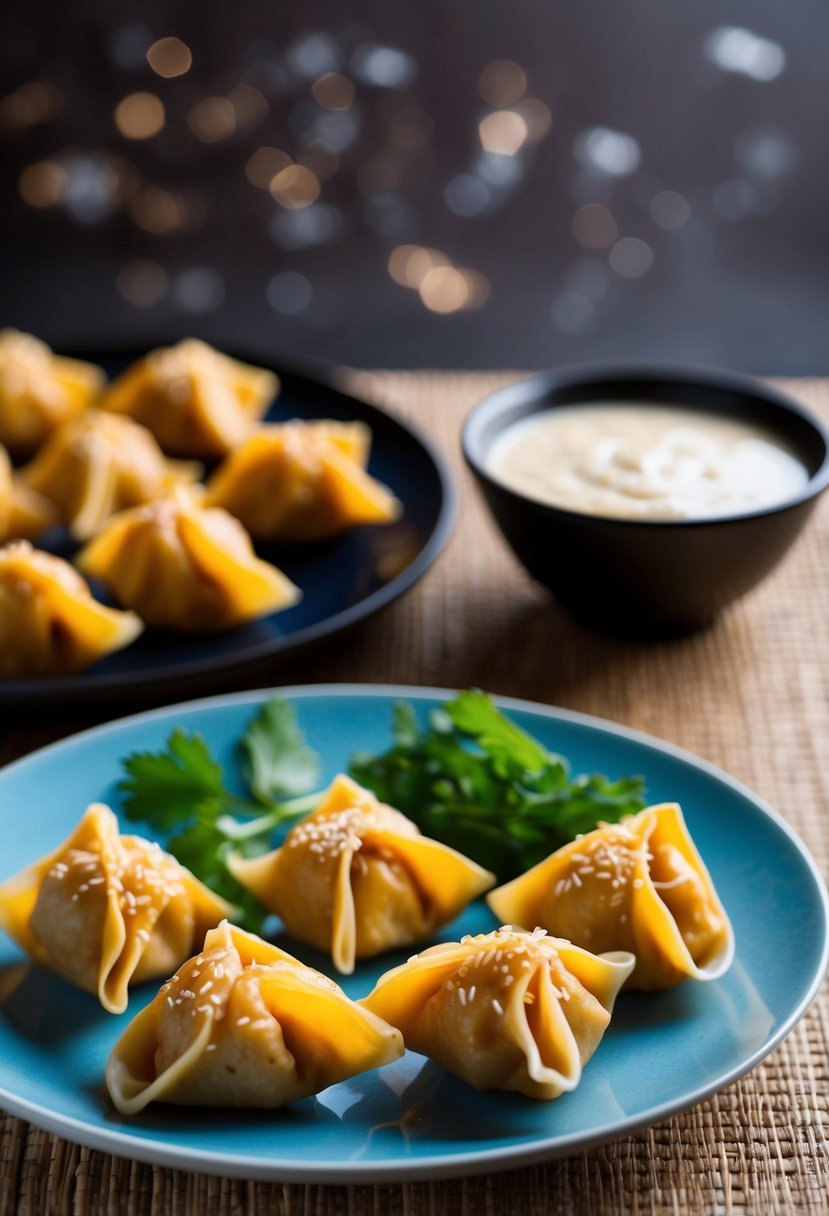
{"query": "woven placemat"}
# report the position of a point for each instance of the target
(750, 695)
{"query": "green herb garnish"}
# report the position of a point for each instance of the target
(180, 793)
(479, 783)
(470, 778)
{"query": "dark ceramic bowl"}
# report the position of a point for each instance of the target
(637, 578)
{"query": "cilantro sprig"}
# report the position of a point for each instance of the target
(180, 794)
(470, 777)
(473, 779)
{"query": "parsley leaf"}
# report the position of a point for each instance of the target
(164, 788)
(508, 747)
(279, 763)
(474, 780)
(180, 794)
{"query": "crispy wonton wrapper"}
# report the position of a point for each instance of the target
(505, 1010)
(105, 910)
(244, 1024)
(356, 877)
(638, 885)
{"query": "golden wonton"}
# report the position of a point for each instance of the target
(24, 513)
(196, 401)
(638, 885)
(105, 910)
(504, 1010)
(356, 878)
(96, 465)
(301, 481)
(244, 1024)
(181, 567)
(50, 625)
(39, 390)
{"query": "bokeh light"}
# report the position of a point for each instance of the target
(631, 257)
(170, 57)
(467, 195)
(302, 228)
(573, 313)
(503, 132)
(734, 49)
(444, 289)
(289, 293)
(386, 67)
(603, 151)
(198, 290)
(139, 116)
(766, 152)
(43, 184)
(408, 265)
(212, 119)
(90, 194)
(594, 226)
(295, 186)
(263, 166)
(333, 91)
(249, 106)
(502, 83)
(312, 55)
(537, 116)
(142, 282)
(35, 102)
(157, 211)
(478, 289)
(735, 200)
(670, 210)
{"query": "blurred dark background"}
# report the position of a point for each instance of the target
(433, 183)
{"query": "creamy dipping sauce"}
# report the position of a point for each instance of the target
(635, 461)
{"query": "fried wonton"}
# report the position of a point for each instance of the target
(195, 400)
(356, 877)
(50, 625)
(105, 911)
(185, 568)
(97, 464)
(39, 390)
(505, 1010)
(244, 1024)
(302, 481)
(24, 514)
(638, 885)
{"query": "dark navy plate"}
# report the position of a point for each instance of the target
(343, 580)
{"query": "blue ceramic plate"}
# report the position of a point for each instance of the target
(343, 580)
(662, 1053)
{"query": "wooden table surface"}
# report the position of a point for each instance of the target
(750, 695)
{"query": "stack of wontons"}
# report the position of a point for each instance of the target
(118, 466)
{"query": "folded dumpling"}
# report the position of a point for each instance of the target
(638, 885)
(97, 464)
(39, 390)
(244, 1024)
(182, 567)
(195, 400)
(105, 910)
(24, 514)
(356, 877)
(504, 1010)
(50, 625)
(302, 481)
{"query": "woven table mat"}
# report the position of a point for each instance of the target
(749, 695)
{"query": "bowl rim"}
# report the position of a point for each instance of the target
(537, 386)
